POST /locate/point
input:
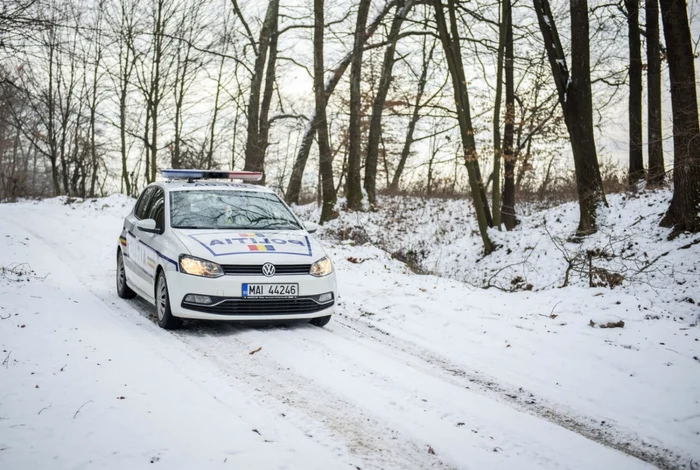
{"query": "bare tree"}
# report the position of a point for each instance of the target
(496, 175)
(94, 93)
(294, 187)
(154, 76)
(636, 161)
(375, 127)
(684, 212)
(427, 56)
(509, 154)
(217, 107)
(574, 89)
(354, 192)
(657, 173)
(328, 193)
(189, 62)
(123, 29)
(257, 112)
(451, 46)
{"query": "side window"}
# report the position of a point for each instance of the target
(142, 203)
(156, 209)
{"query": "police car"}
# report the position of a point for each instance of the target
(222, 250)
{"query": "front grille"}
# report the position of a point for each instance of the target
(238, 306)
(256, 269)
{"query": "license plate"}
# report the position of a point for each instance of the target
(270, 290)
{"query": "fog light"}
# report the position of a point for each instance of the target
(197, 299)
(327, 297)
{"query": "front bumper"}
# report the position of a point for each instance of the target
(229, 305)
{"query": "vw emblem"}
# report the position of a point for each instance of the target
(268, 269)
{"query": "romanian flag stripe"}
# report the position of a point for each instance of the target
(261, 248)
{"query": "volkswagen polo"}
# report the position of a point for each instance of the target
(200, 248)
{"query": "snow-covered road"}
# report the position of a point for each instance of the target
(414, 372)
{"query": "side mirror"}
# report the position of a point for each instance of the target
(147, 225)
(311, 227)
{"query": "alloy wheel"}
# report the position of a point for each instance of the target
(162, 297)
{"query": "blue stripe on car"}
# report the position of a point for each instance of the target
(177, 268)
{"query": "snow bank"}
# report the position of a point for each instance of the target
(630, 253)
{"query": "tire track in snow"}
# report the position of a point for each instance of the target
(520, 399)
(435, 416)
(368, 436)
(316, 410)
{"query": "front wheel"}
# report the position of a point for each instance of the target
(123, 290)
(166, 319)
(321, 321)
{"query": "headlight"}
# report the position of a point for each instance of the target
(322, 267)
(199, 267)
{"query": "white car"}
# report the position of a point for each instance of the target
(222, 250)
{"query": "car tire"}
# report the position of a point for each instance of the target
(123, 290)
(320, 321)
(166, 320)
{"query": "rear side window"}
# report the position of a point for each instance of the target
(142, 203)
(156, 208)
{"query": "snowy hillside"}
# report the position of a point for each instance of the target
(415, 371)
(630, 251)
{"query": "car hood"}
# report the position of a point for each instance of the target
(252, 247)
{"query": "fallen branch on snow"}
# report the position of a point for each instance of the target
(81, 407)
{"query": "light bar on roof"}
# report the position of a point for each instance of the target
(212, 174)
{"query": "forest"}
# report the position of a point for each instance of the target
(498, 102)
(489, 255)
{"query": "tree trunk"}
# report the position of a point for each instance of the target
(147, 143)
(179, 90)
(122, 141)
(508, 210)
(453, 54)
(354, 194)
(156, 89)
(636, 163)
(574, 92)
(375, 127)
(124, 31)
(415, 116)
(294, 187)
(324, 149)
(682, 214)
(254, 155)
(93, 142)
(264, 125)
(51, 124)
(154, 145)
(496, 175)
(212, 129)
(657, 171)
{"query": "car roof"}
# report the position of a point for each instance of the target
(203, 184)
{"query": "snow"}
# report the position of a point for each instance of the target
(415, 370)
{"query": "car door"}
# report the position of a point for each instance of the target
(136, 262)
(151, 243)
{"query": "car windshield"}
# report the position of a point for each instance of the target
(229, 209)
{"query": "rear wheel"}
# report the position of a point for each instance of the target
(123, 290)
(321, 321)
(166, 319)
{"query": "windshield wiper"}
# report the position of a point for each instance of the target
(292, 223)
